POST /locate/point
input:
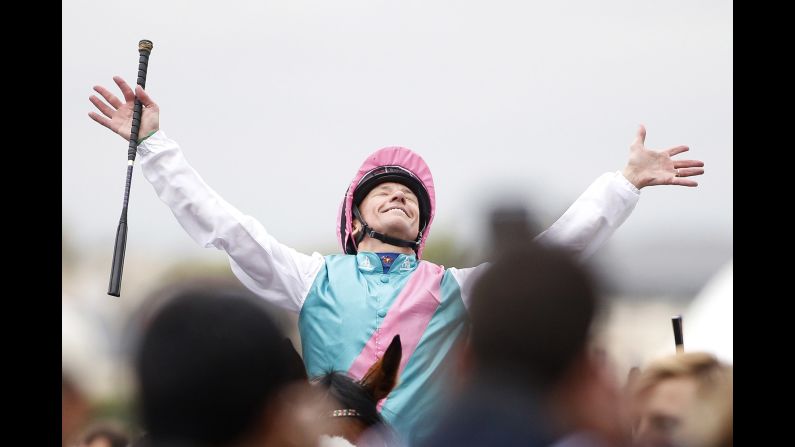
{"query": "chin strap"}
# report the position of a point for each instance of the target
(382, 237)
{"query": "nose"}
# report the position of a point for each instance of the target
(398, 195)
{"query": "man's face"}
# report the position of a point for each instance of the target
(391, 208)
(662, 412)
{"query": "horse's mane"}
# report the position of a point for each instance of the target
(350, 394)
(363, 395)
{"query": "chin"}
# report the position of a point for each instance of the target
(397, 228)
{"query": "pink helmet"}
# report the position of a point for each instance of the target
(390, 164)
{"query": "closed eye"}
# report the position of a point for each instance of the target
(409, 194)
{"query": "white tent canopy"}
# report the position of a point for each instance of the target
(708, 323)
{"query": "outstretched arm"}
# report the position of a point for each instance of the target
(272, 270)
(605, 205)
(609, 200)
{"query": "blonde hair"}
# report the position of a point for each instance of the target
(711, 415)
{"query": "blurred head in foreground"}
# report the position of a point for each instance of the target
(683, 400)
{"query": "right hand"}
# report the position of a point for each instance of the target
(118, 115)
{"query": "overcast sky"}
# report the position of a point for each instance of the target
(276, 104)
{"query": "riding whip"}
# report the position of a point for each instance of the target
(114, 288)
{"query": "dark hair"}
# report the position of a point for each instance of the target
(531, 313)
(207, 365)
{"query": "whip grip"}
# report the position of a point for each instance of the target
(144, 49)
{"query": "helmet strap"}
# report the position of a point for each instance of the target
(366, 230)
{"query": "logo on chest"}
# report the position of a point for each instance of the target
(365, 264)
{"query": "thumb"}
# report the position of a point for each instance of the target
(141, 94)
(640, 138)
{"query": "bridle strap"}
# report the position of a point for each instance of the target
(342, 413)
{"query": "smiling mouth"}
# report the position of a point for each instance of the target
(398, 209)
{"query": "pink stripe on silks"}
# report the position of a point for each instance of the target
(408, 317)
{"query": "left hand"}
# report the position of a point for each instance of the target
(118, 115)
(647, 167)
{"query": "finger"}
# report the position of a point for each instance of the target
(689, 172)
(688, 163)
(676, 150)
(640, 137)
(125, 89)
(109, 97)
(146, 100)
(104, 108)
(101, 119)
(683, 182)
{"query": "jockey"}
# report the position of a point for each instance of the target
(350, 305)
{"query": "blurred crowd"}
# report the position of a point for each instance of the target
(212, 368)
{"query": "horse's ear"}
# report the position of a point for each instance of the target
(295, 365)
(381, 378)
